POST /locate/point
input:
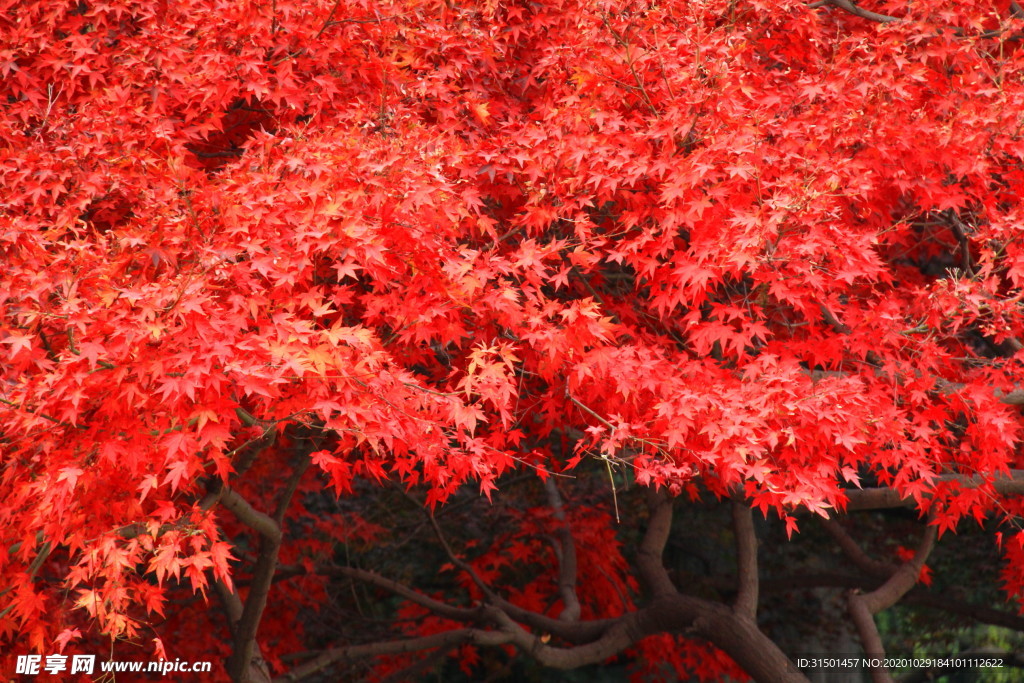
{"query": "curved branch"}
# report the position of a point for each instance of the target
(746, 560)
(566, 555)
(871, 640)
(260, 522)
(905, 577)
(863, 606)
(854, 552)
(856, 11)
(241, 663)
(649, 558)
(459, 562)
(736, 635)
(916, 597)
(572, 631)
(979, 613)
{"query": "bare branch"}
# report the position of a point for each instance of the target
(232, 604)
(436, 606)
(856, 11)
(256, 668)
(833, 322)
(854, 552)
(459, 562)
(881, 498)
(566, 556)
(746, 560)
(863, 606)
(301, 466)
(649, 559)
(260, 522)
(447, 639)
(241, 665)
(905, 577)
(735, 634)
(867, 629)
(885, 497)
(573, 632)
(329, 21)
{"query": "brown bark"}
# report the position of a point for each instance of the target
(863, 606)
(746, 560)
(566, 552)
(240, 664)
(887, 498)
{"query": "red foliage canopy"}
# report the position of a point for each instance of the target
(764, 249)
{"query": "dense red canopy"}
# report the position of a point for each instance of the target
(764, 249)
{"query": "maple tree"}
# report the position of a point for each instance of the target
(547, 275)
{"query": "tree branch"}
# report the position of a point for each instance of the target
(885, 497)
(668, 611)
(443, 609)
(917, 596)
(241, 665)
(459, 562)
(301, 466)
(905, 577)
(735, 634)
(854, 552)
(649, 558)
(870, 639)
(746, 560)
(979, 613)
(863, 606)
(566, 557)
(573, 632)
(260, 522)
(856, 11)
(447, 639)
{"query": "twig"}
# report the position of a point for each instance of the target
(328, 21)
(459, 562)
